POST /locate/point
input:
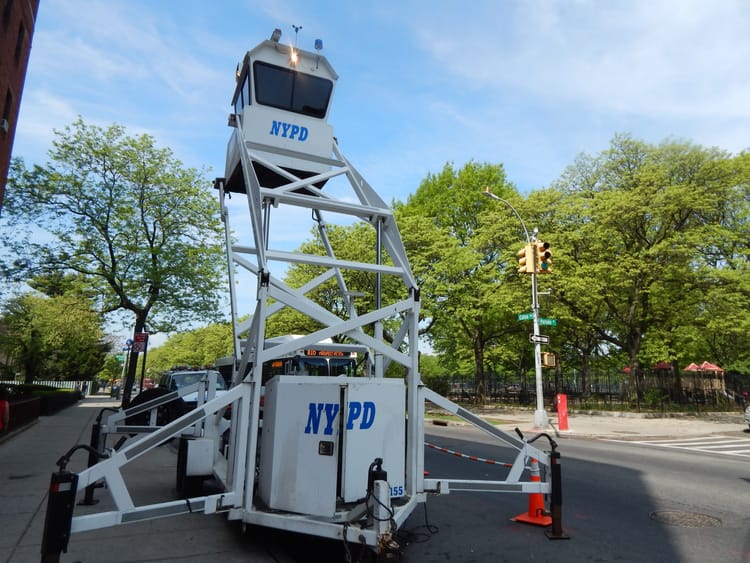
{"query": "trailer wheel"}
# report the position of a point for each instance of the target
(186, 485)
(164, 414)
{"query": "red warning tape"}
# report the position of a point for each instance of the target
(470, 457)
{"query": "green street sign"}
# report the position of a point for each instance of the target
(525, 316)
(120, 357)
(547, 322)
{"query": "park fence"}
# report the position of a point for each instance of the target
(83, 386)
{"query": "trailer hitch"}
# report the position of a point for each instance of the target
(96, 431)
(60, 504)
(63, 461)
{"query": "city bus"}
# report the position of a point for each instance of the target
(323, 359)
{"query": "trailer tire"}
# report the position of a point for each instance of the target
(186, 485)
(165, 413)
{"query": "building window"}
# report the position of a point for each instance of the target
(19, 42)
(4, 125)
(7, 5)
(8, 104)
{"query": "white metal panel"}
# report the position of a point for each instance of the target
(200, 457)
(300, 417)
(374, 428)
(288, 130)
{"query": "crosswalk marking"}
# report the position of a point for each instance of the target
(724, 445)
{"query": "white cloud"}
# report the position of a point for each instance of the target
(647, 57)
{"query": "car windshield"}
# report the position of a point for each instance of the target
(180, 380)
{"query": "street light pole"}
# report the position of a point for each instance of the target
(540, 415)
(541, 420)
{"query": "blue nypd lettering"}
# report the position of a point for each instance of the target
(288, 131)
(364, 410)
(315, 410)
(361, 413)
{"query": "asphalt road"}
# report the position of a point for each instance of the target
(621, 502)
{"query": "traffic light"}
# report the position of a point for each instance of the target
(543, 258)
(526, 260)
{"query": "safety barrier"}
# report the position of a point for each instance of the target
(465, 456)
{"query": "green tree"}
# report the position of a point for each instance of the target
(638, 224)
(461, 276)
(198, 347)
(111, 369)
(140, 231)
(53, 338)
(21, 341)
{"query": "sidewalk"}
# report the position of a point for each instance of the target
(28, 458)
(622, 425)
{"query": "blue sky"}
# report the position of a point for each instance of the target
(528, 84)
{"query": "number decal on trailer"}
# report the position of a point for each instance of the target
(397, 491)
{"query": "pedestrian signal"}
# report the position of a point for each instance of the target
(548, 360)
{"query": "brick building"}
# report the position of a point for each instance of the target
(16, 30)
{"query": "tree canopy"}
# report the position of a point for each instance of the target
(52, 338)
(198, 347)
(140, 231)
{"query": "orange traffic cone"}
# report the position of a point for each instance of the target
(535, 514)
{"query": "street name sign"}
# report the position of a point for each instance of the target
(525, 316)
(547, 322)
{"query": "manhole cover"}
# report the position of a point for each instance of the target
(685, 519)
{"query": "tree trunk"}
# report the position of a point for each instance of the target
(479, 373)
(585, 374)
(677, 383)
(127, 389)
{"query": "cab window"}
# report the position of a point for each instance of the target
(290, 90)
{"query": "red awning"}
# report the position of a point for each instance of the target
(704, 367)
(708, 366)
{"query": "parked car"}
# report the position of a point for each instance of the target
(747, 415)
(172, 381)
(177, 379)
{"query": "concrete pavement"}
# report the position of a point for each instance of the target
(622, 425)
(28, 457)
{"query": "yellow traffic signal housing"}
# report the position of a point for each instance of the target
(548, 360)
(543, 258)
(526, 260)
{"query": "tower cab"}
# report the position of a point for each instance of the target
(281, 104)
